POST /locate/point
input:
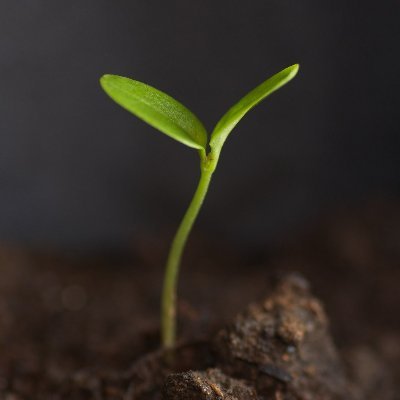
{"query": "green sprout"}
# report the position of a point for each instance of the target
(175, 120)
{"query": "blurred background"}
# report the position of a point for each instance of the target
(77, 171)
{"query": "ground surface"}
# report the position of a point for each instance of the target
(78, 328)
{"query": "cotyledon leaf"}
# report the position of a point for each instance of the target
(157, 109)
(237, 112)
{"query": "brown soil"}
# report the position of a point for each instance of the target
(87, 328)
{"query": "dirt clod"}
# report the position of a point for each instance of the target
(283, 346)
(211, 384)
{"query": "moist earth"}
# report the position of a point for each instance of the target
(79, 327)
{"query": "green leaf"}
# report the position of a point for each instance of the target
(237, 112)
(157, 109)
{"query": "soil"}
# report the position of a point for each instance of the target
(317, 317)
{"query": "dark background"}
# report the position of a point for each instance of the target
(76, 170)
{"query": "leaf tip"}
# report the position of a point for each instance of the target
(293, 70)
(104, 79)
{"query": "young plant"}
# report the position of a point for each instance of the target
(175, 120)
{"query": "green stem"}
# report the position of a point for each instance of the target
(168, 301)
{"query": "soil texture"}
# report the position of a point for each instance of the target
(316, 317)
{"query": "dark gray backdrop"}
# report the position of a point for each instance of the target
(77, 170)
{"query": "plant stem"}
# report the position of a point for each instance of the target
(168, 301)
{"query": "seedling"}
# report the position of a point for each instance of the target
(175, 120)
